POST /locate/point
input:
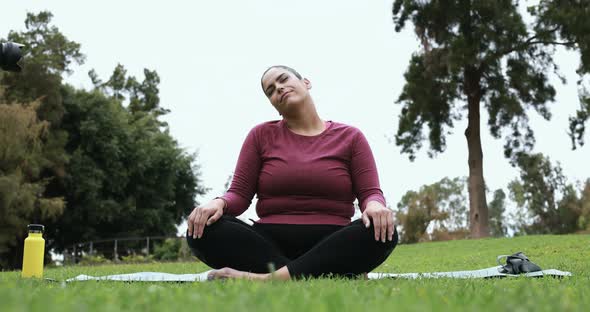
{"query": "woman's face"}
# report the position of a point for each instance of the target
(284, 89)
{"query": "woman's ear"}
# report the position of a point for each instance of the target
(307, 83)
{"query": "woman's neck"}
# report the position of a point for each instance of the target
(306, 121)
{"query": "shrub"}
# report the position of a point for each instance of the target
(135, 258)
(173, 249)
(93, 260)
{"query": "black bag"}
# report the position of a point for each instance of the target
(517, 263)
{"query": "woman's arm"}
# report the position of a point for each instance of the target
(238, 197)
(243, 186)
(365, 180)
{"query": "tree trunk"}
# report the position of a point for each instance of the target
(478, 207)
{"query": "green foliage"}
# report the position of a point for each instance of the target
(577, 123)
(441, 204)
(168, 250)
(544, 192)
(103, 152)
(497, 207)
(564, 252)
(48, 54)
(568, 20)
(173, 249)
(126, 177)
(584, 220)
(95, 259)
(21, 190)
(483, 50)
(142, 97)
(137, 258)
(428, 108)
(476, 51)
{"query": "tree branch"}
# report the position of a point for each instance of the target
(566, 43)
(527, 43)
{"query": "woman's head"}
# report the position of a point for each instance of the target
(283, 86)
(293, 71)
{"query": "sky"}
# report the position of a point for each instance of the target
(210, 56)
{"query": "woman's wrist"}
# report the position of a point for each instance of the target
(374, 202)
(222, 202)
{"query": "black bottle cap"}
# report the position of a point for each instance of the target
(36, 227)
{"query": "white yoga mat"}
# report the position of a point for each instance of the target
(483, 273)
(201, 277)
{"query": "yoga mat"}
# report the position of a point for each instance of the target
(201, 277)
(483, 273)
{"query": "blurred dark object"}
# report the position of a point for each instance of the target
(10, 56)
(517, 263)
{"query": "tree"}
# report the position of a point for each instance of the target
(476, 51)
(126, 176)
(115, 165)
(497, 207)
(21, 199)
(584, 220)
(544, 192)
(142, 97)
(569, 19)
(48, 55)
(440, 204)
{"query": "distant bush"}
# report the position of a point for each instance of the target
(173, 249)
(168, 250)
(445, 235)
(93, 260)
(137, 258)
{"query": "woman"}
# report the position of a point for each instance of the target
(306, 173)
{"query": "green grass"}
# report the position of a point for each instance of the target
(568, 253)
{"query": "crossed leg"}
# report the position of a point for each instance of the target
(238, 250)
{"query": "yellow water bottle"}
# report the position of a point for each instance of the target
(34, 252)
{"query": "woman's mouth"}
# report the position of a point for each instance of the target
(284, 95)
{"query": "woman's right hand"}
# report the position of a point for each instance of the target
(204, 215)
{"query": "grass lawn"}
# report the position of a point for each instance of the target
(567, 253)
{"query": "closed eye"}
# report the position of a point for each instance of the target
(281, 78)
(270, 91)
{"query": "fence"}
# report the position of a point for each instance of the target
(75, 253)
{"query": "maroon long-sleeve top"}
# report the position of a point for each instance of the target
(304, 179)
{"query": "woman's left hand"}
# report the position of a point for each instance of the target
(382, 218)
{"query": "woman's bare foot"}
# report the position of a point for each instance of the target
(226, 273)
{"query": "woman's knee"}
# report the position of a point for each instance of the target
(390, 244)
(220, 230)
(192, 242)
(381, 250)
(195, 243)
(369, 234)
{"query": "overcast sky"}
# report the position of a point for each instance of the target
(210, 55)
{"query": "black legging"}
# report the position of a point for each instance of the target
(306, 250)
